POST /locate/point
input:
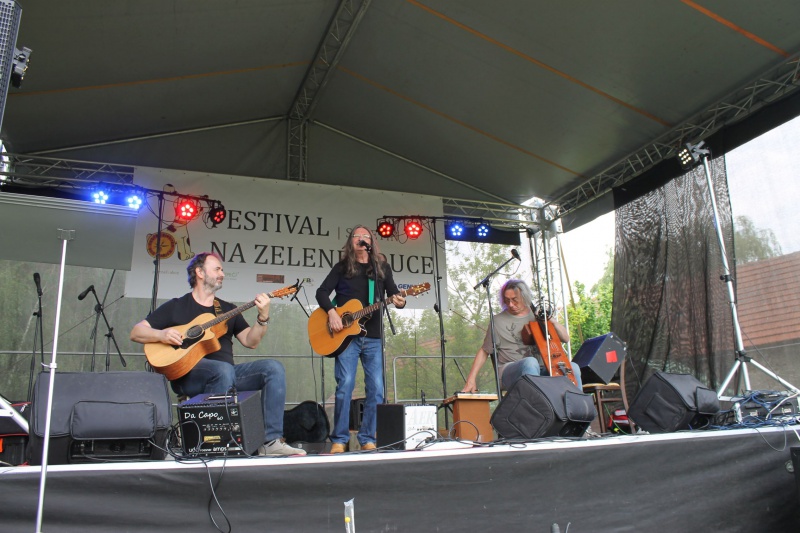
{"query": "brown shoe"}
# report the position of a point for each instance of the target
(368, 447)
(337, 447)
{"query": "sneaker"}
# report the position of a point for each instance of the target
(279, 447)
(368, 447)
(337, 447)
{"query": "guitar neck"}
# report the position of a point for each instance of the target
(239, 310)
(226, 316)
(374, 307)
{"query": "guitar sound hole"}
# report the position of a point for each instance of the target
(194, 332)
(347, 320)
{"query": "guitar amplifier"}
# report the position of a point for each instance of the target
(219, 425)
(403, 427)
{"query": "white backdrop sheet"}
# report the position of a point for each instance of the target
(275, 233)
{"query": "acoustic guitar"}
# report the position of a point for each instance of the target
(329, 343)
(200, 338)
(543, 333)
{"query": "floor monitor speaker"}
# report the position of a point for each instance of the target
(673, 402)
(101, 416)
(543, 406)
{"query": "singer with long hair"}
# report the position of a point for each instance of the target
(362, 265)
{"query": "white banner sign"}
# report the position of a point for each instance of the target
(275, 233)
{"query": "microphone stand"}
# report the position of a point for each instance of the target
(38, 332)
(322, 366)
(100, 310)
(485, 283)
(374, 262)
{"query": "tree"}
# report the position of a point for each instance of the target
(753, 244)
(590, 315)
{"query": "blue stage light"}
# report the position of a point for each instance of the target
(456, 229)
(482, 231)
(134, 201)
(99, 196)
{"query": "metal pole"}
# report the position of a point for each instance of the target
(65, 236)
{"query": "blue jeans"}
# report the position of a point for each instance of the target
(529, 366)
(371, 354)
(266, 375)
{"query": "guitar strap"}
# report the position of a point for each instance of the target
(371, 294)
(217, 308)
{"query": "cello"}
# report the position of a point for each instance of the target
(542, 334)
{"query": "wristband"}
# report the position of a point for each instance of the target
(262, 322)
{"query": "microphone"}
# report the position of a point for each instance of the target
(38, 281)
(82, 295)
(365, 244)
(515, 254)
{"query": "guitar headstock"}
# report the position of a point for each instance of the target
(286, 291)
(416, 290)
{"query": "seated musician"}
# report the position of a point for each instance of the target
(216, 372)
(515, 358)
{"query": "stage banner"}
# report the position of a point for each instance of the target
(275, 233)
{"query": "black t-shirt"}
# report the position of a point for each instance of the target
(180, 311)
(357, 288)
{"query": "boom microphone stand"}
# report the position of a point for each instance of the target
(100, 310)
(485, 283)
(697, 152)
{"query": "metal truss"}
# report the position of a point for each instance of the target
(777, 83)
(496, 213)
(340, 30)
(37, 171)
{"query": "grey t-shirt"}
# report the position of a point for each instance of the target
(508, 336)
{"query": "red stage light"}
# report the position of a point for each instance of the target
(413, 229)
(186, 209)
(217, 214)
(385, 229)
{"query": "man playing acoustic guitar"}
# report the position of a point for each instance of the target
(216, 372)
(350, 278)
(515, 358)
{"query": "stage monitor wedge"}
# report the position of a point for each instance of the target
(600, 358)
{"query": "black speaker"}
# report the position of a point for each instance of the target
(104, 416)
(600, 358)
(543, 406)
(672, 402)
(215, 425)
(356, 413)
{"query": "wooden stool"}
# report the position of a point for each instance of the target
(602, 395)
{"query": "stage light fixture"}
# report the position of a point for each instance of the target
(482, 230)
(456, 229)
(19, 65)
(217, 214)
(689, 155)
(134, 201)
(99, 196)
(413, 229)
(386, 228)
(186, 209)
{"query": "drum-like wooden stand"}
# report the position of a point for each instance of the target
(471, 411)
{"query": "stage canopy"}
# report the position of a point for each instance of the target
(485, 104)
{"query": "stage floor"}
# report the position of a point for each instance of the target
(727, 480)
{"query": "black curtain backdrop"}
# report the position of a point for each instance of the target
(670, 304)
